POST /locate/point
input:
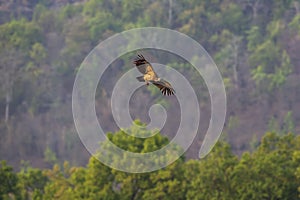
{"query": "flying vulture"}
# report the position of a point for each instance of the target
(149, 76)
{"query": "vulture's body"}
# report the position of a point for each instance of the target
(149, 76)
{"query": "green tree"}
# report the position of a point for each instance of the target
(11, 70)
(270, 64)
(99, 182)
(117, 184)
(60, 185)
(19, 40)
(228, 57)
(269, 173)
(8, 182)
(211, 178)
(31, 183)
(288, 123)
(167, 183)
(296, 158)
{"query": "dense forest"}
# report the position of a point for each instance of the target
(272, 171)
(255, 44)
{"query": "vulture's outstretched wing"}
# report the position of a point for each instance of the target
(164, 86)
(149, 75)
(143, 65)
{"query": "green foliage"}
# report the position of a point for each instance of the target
(233, 122)
(31, 183)
(271, 171)
(20, 34)
(228, 56)
(137, 139)
(254, 142)
(37, 56)
(47, 20)
(232, 17)
(284, 127)
(155, 15)
(288, 123)
(254, 38)
(50, 156)
(126, 139)
(38, 53)
(296, 158)
(8, 181)
(214, 175)
(98, 181)
(270, 63)
(295, 24)
(273, 125)
(267, 74)
(130, 8)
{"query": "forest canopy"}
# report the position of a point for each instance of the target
(271, 171)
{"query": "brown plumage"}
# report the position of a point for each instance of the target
(149, 76)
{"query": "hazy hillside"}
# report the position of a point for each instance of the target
(255, 43)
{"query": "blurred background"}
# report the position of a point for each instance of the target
(255, 44)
